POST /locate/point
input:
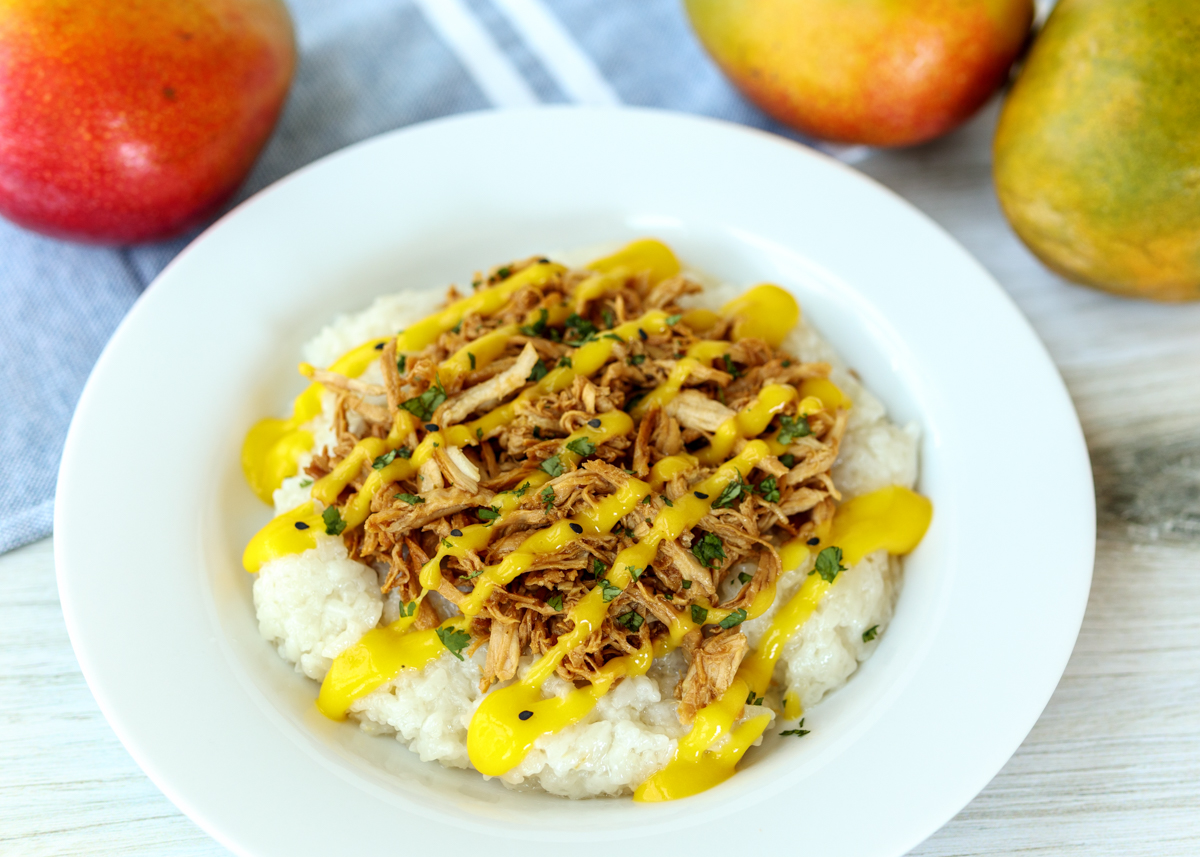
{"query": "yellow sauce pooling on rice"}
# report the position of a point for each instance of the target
(510, 719)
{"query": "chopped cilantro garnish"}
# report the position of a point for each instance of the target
(520, 492)
(729, 367)
(792, 428)
(608, 591)
(400, 363)
(457, 328)
(598, 569)
(667, 500)
(479, 433)
(611, 336)
(769, 489)
(787, 460)
(304, 483)
(674, 319)
(410, 499)
(799, 733)
(735, 489)
(555, 602)
(487, 513)
(564, 362)
(734, 619)
(582, 446)
(408, 608)
(709, 550)
(687, 584)
(454, 640)
(384, 460)
(538, 372)
(754, 700)
(870, 633)
(579, 326)
(334, 524)
(744, 578)
(553, 466)
(631, 620)
(446, 543)
(423, 406)
(636, 359)
(471, 357)
(829, 563)
(647, 500)
(503, 273)
(609, 318)
(699, 614)
(404, 452)
(548, 497)
(538, 326)
(635, 572)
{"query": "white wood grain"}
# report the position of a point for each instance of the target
(1113, 765)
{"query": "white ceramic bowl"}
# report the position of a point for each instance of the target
(152, 513)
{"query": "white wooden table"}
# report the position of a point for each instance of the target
(1112, 767)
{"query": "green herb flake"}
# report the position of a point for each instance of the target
(304, 483)
(734, 490)
(710, 550)
(673, 320)
(608, 591)
(334, 523)
(408, 608)
(538, 372)
(734, 619)
(503, 273)
(555, 602)
(538, 326)
(410, 499)
(699, 614)
(423, 406)
(787, 460)
(829, 563)
(612, 336)
(744, 578)
(598, 569)
(667, 500)
(792, 428)
(446, 543)
(609, 319)
(730, 368)
(579, 326)
(687, 584)
(520, 492)
(636, 359)
(564, 362)
(553, 466)
(457, 328)
(401, 362)
(635, 572)
(799, 733)
(646, 500)
(487, 513)
(404, 452)
(548, 497)
(870, 633)
(479, 434)
(454, 640)
(582, 446)
(471, 357)
(754, 700)
(631, 620)
(769, 489)
(384, 460)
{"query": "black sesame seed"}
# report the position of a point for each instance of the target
(575, 528)
(526, 714)
(456, 532)
(814, 541)
(594, 423)
(642, 334)
(300, 525)
(431, 427)
(379, 346)
(700, 495)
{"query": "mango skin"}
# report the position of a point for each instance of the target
(879, 72)
(1097, 153)
(132, 120)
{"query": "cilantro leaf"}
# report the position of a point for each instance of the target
(579, 326)
(563, 361)
(792, 428)
(538, 372)
(608, 591)
(829, 563)
(635, 572)
(609, 318)
(401, 361)
(729, 367)
(598, 569)
(735, 489)
(699, 614)
(304, 483)
(734, 619)
(471, 357)
(487, 513)
(553, 466)
(538, 326)
(769, 489)
(710, 550)
(404, 452)
(799, 733)
(334, 523)
(548, 497)
(667, 500)
(555, 602)
(631, 620)
(744, 578)
(520, 492)
(687, 584)
(582, 446)
(408, 608)
(787, 460)
(673, 320)
(636, 359)
(870, 633)
(423, 406)
(410, 499)
(454, 640)
(384, 460)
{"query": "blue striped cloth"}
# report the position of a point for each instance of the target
(366, 66)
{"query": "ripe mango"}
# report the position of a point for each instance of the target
(1097, 152)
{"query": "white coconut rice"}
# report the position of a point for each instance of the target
(314, 605)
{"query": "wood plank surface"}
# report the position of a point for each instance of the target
(1111, 768)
